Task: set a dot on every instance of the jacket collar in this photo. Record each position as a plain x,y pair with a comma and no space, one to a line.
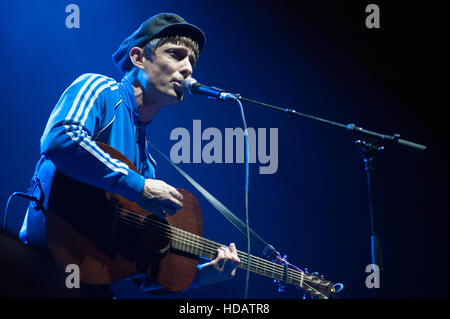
130,99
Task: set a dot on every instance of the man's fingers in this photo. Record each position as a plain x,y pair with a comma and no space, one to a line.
221,257
234,259
223,267
234,253
175,199
158,196
233,249
227,259
174,203
227,253
175,193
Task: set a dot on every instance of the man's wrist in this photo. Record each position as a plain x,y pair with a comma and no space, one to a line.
133,186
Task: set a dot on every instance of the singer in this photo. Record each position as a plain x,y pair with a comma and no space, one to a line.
154,60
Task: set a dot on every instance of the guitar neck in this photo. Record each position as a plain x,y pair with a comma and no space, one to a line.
201,247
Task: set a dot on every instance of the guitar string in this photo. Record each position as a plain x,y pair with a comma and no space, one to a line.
214,245
199,240
133,225
213,252
294,274
207,250
306,287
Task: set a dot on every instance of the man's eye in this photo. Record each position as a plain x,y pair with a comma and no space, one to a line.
174,54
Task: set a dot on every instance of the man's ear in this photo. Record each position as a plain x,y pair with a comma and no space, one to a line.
137,57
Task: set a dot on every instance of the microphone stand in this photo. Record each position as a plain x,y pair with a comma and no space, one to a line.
394,139
369,147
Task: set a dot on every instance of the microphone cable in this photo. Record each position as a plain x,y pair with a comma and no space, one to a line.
246,152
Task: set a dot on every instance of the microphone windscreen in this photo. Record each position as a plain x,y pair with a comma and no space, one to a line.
187,84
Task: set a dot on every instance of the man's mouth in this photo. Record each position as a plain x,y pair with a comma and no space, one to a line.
177,87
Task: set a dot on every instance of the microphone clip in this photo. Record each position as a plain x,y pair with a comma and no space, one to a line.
225,96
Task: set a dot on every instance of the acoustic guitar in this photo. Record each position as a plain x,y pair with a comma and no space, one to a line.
111,238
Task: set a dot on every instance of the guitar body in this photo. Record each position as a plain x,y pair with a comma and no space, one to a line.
102,234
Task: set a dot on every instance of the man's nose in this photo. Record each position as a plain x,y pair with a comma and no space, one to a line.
186,68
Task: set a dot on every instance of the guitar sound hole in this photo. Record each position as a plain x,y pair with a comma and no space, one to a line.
138,239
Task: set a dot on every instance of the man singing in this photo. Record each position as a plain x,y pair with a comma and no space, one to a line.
155,59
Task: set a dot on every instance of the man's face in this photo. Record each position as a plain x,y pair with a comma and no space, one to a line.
171,64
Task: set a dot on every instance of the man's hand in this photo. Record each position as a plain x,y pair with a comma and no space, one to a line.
159,198
222,268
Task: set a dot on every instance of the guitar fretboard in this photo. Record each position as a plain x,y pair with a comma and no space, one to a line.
201,247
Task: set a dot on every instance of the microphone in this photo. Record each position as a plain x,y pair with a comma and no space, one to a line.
191,86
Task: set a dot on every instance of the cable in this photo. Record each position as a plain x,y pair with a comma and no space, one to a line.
20,194
244,124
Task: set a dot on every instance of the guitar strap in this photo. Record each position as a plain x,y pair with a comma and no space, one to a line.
268,250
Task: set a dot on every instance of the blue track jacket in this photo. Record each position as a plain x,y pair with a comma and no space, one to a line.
93,108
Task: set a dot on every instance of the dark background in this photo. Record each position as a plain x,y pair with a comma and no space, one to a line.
317,57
